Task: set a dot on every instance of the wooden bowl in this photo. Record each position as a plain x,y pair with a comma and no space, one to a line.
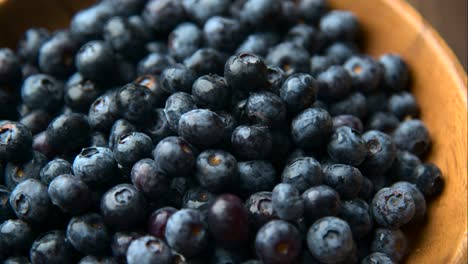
439,84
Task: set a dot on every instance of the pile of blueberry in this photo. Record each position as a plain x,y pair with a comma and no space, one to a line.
208,131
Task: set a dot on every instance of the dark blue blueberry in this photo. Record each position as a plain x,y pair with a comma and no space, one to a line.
216,170
68,132
201,127
211,91
202,10
56,56
15,142
304,36
126,7
31,42
70,194
395,73
276,77
135,103
95,60
255,176
19,172
260,13
311,10
246,71
251,142
37,121
51,247
120,243
120,128
222,33
149,180
392,207
41,143
16,236
346,180
278,242
346,146
81,95
260,208
311,128
103,112
403,166
412,136
176,105
158,128
5,209
123,206
131,148
266,108
157,221
88,234
302,173
177,78
365,73
123,37
391,242
30,201
381,152
377,101
162,16
382,121
153,83
340,25
206,61
403,105
291,62
186,232
17,260
175,157
282,144
155,46
339,52
88,23
227,256
298,92
228,221
367,190
287,202
418,197
197,198
377,257
10,67
355,104
357,214
258,43
147,250
320,201
98,139
334,83
428,179
95,166
319,64
154,63
184,40
97,260
348,120
41,91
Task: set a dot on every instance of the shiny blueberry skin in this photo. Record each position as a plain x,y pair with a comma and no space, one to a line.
149,180
206,61
211,91
162,16
135,103
120,243
176,105
222,33
291,62
79,96
184,40
260,208
147,250
131,148
260,13
16,235
365,73
30,201
68,132
123,206
403,105
15,142
175,156
186,232
158,127
355,104
391,242
19,172
278,242
157,221
36,121
392,207
95,166
428,179
228,221
120,128
153,83
395,73
258,43
70,194
197,198
56,56
330,240
275,77
311,128
357,214
266,108
298,92
302,173
246,71
334,83
377,257
346,180
201,127
216,170
340,25
413,136
154,63
339,52
95,60
255,176
42,144
403,166
348,120
124,38
346,146
287,202
88,234
382,121
5,209
381,152
42,91
52,248
202,10
319,64
87,24
177,78
103,112
320,201
418,197
251,142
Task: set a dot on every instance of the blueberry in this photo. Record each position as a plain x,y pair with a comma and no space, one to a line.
340,25
413,136
51,247
120,243
339,52
357,214
395,74
377,257
68,132
135,103
298,92
346,180
177,78
197,198
302,173
403,105
42,144
15,142
251,142
205,61
334,83
347,146
148,249
120,128
5,209
103,112
258,43
70,194
201,127
228,221
157,221
19,172
202,10
123,206
216,170
403,166
162,16
98,139
311,10
88,234
123,37
211,91
381,152
88,24
17,260
154,46
266,108
377,101
176,105
330,240
276,77
36,121
41,91
311,128
391,242
131,148
392,207
367,190
278,242
418,197
10,67
154,63
56,56
30,201
348,120
80,96
186,232
222,33
365,73
287,202
31,42
95,60
355,104
184,40
260,208
153,83
97,260
158,128
149,180
8,105
260,13
175,156
226,256
320,201
95,166
382,121
319,64
428,179
291,62
255,176
246,71
16,235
